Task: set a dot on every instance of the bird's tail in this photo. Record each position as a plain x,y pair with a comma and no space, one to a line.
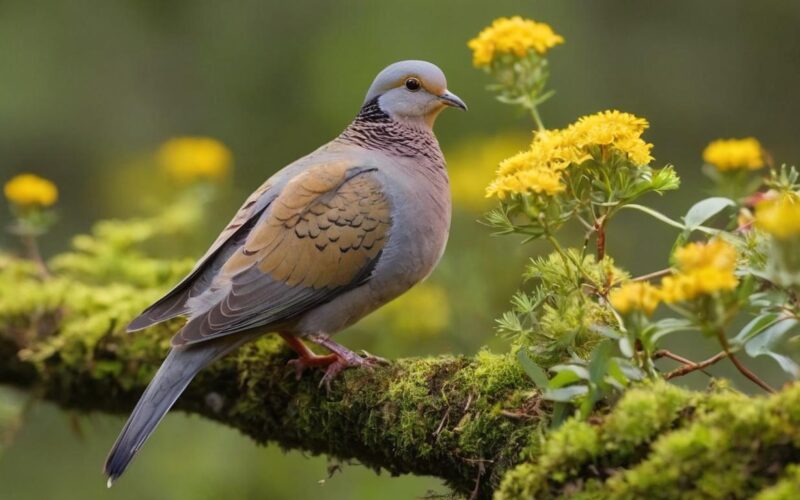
172,378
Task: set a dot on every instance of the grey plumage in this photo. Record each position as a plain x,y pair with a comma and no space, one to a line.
325,241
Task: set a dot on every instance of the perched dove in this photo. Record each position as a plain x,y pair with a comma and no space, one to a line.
322,243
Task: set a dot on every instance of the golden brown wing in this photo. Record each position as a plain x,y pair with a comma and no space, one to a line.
321,236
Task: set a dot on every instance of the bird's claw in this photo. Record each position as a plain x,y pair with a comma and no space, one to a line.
365,360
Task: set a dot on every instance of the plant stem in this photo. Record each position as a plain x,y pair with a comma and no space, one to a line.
600,227
536,117
739,366
689,366
655,274
32,250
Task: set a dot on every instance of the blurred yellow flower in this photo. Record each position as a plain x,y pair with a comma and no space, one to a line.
513,35
422,312
28,190
188,159
471,167
621,131
703,269
779,216
716,253
735,154
635,296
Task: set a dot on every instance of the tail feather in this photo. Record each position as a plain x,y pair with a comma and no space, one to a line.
172,378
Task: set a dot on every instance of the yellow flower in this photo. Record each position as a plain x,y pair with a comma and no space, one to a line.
513,35
423,312
703,269
735,154
28,190
716,253
188,159
537,170
620,131
779,216
635,296
470,167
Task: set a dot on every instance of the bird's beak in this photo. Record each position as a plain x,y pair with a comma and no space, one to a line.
450,99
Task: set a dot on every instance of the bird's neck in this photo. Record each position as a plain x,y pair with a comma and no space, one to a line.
375,129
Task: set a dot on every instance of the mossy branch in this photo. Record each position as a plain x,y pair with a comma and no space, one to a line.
476,422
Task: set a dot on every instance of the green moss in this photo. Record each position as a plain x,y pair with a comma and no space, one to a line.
786,488
660,441
640,415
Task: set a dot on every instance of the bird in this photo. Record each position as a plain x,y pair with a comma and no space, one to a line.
322,243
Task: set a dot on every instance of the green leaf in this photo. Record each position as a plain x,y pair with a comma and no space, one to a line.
667,326
598,366
534,371
566,394
559,414
767,341
605,331
562,379
754,327
580,371
616,374
704,210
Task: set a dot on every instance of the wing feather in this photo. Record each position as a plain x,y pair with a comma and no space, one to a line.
321,236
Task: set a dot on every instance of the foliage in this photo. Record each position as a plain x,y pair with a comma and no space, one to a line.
586,330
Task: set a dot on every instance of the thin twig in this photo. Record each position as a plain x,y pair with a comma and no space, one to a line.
739,366
653,275
693,367
664,353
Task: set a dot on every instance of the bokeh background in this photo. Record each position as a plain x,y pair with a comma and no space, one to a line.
90,89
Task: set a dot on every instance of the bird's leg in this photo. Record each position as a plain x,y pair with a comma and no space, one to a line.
306,357
345,358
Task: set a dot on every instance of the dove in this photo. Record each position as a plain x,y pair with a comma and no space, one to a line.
321,244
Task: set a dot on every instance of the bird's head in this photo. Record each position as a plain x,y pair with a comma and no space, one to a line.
412,91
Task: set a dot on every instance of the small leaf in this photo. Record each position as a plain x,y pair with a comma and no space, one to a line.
765,343
704,210
559,415
598,366
562,379
605,331
754,327
566,394
667,326
580,371
626,347
534,371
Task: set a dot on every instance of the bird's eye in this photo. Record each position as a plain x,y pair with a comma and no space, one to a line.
413,84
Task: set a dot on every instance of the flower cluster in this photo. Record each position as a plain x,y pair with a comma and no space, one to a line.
635,296
620,131
779,216
703,269
189,159
539,170
516,36
734,154
27,191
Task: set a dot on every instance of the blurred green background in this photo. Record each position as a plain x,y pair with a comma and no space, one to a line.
90,89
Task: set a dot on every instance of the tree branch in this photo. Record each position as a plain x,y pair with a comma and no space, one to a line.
475,422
